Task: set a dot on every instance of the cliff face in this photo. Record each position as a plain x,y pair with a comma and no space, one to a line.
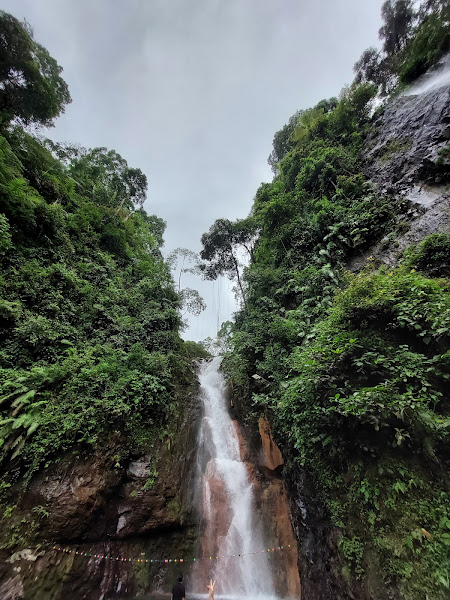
115,503
407,156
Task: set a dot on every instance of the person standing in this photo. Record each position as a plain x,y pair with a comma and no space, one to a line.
211,589
178,590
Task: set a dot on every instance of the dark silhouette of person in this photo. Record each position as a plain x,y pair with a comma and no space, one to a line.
178,591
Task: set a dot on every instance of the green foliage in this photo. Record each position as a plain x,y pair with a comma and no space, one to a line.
397,16
150,482
431,41
432,255
221,247
369,383
362,405
282,142
105,177
31,87
414,39
225,337
195,350
192,302
352,550
372,67
352,370
356,396
41,512
89,317
181,261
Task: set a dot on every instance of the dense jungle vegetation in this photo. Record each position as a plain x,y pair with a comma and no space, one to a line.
89,316
352,369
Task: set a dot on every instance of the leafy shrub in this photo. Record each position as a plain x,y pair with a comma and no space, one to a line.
431,41
88,313
432,255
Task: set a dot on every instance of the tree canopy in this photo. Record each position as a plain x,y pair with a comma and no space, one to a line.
31,87
181,261
224,247
105,176
414,38
398,17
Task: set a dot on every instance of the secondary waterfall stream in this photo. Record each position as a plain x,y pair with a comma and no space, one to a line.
231,524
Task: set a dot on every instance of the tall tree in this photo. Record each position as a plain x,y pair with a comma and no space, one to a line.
368,67
224,337
191,302
428,7
398,18
181,261
31,88
223,247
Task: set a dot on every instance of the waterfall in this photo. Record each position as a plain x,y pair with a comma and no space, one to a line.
438,76
231,523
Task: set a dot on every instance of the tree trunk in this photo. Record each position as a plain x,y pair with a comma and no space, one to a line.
239,280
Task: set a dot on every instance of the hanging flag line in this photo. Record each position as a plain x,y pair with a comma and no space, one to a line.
166,560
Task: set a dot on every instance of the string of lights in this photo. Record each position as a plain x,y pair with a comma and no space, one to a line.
166,560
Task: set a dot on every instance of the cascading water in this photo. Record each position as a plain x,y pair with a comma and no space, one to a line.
231,524
437,77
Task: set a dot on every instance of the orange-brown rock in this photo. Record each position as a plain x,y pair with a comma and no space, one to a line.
271,453
278,525
216,508
262,457
243,446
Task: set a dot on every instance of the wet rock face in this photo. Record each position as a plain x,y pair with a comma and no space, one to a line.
323,576
407,155
318,550
313,533
408,138
270,451
139,505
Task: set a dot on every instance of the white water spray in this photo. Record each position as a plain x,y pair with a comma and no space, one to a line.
232,525
436,78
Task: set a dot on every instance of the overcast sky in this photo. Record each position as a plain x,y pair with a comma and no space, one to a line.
192,92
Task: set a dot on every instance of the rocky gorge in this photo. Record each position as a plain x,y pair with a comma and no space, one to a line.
313,460
100,505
